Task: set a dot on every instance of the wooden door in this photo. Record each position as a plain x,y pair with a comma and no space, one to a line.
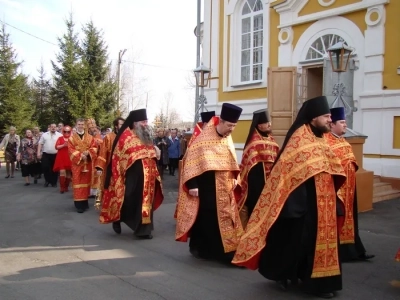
282,108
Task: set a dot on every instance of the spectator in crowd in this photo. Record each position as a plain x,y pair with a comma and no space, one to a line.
173,152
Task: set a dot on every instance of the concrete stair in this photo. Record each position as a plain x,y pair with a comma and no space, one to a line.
383,191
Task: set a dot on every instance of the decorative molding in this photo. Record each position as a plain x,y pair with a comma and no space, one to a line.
326,3
289,37
290,5
371,11
289,11
248,106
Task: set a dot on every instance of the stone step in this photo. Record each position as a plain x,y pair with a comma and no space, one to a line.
382,187
386,195
377,179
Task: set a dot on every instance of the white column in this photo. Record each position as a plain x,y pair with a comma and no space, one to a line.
211,30
374,48
285,50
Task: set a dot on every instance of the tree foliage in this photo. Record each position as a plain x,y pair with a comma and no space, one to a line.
67,76
83,85
43,106
15,103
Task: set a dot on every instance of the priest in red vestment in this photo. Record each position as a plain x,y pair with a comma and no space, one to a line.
351,246
82,151
260,152
205,118
293,231
104,157
207,210
133,185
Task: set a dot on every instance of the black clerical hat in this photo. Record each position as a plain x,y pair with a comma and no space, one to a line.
315,107
259,117
338,114
206,116
138,115
230,112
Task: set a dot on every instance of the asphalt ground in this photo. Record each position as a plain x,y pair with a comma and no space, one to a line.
48,251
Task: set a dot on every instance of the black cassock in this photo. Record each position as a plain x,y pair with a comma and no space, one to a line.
205,236
131,210
255,185
290,244
349,252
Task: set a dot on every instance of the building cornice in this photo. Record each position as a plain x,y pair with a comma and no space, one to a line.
293,7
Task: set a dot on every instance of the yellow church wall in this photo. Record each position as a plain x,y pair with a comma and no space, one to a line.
392,46
313,6
239,135
273,38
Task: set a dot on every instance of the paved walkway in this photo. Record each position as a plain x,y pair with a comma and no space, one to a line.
48,251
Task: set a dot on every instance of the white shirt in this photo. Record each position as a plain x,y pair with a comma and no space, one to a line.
48,141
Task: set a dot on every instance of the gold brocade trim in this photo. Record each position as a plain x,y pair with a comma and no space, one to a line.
326,258
230,226
150,169
259,149
304,156
346,193
77,186
209,151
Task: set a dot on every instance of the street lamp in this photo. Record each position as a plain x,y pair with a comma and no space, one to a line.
120,54
339,55
202,75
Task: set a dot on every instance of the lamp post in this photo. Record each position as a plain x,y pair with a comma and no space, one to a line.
202,75
339,55
120,54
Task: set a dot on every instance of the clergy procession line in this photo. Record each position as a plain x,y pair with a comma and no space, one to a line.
289,212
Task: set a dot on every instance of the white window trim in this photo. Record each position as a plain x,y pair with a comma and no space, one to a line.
234,61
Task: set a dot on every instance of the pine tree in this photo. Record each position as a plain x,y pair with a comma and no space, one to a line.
100,86
68,77
15,104
44,108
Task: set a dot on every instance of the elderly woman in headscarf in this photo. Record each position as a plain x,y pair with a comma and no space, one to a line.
10,144
27,156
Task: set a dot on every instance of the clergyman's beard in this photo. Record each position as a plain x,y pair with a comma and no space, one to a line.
323,129
143,133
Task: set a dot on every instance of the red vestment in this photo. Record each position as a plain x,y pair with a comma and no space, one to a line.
104,157
259,149
81,169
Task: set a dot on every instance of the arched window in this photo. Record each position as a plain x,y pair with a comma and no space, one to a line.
251,63
318,49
